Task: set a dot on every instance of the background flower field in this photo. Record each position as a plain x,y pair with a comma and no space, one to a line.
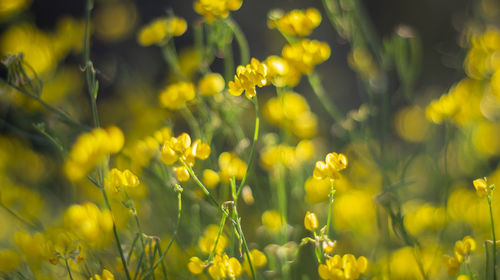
230,139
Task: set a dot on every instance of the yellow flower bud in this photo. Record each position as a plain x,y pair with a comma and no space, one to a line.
310,221
195,265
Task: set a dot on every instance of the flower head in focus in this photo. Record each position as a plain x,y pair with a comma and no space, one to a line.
297,22
247,78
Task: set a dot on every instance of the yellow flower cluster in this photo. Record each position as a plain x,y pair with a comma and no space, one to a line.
160,29
297,22
462,250
345,267
291,111
331,167
211,84
181,149
118,180
215,9
221,267
288,156
43,50
89,223
206,242
139,154
247,78
482,57
105,275
305,54
176,95
92,148
231,166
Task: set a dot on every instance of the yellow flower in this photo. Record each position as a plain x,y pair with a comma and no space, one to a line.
247,78
258,258
161,28
231,166
176,95
106,275
330,167
211,84
305,54
272,220
223,267
180,147
196,266
317,190
92,148
463,248
452,265
9,260
298,22
89,223
10,7
345,267
214,9
181,173
481,187
310,221
291,111
117,179
210,178
207,240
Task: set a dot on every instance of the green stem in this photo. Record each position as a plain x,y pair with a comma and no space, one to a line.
178,189
240,39
254,143
67,267
245,246
221,227
170,55
115,232
494,251
487,265
320,92
282,199
330,206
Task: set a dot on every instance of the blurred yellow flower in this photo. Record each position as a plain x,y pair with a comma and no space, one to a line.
206,242
211,84
231,166
210,178
89,223
176,95
90,149
305,54
106,275
161,28
118,180
345,267
224,267
258,258
297,22
215,9
272,220
9,260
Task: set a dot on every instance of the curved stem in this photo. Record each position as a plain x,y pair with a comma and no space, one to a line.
240,39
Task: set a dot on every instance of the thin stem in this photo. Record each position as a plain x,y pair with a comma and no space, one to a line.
487,266
67,267
240,39
115,232
221,227
174,236
320,92
254,143
171,58
494,251
245,246
330,206
282,202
